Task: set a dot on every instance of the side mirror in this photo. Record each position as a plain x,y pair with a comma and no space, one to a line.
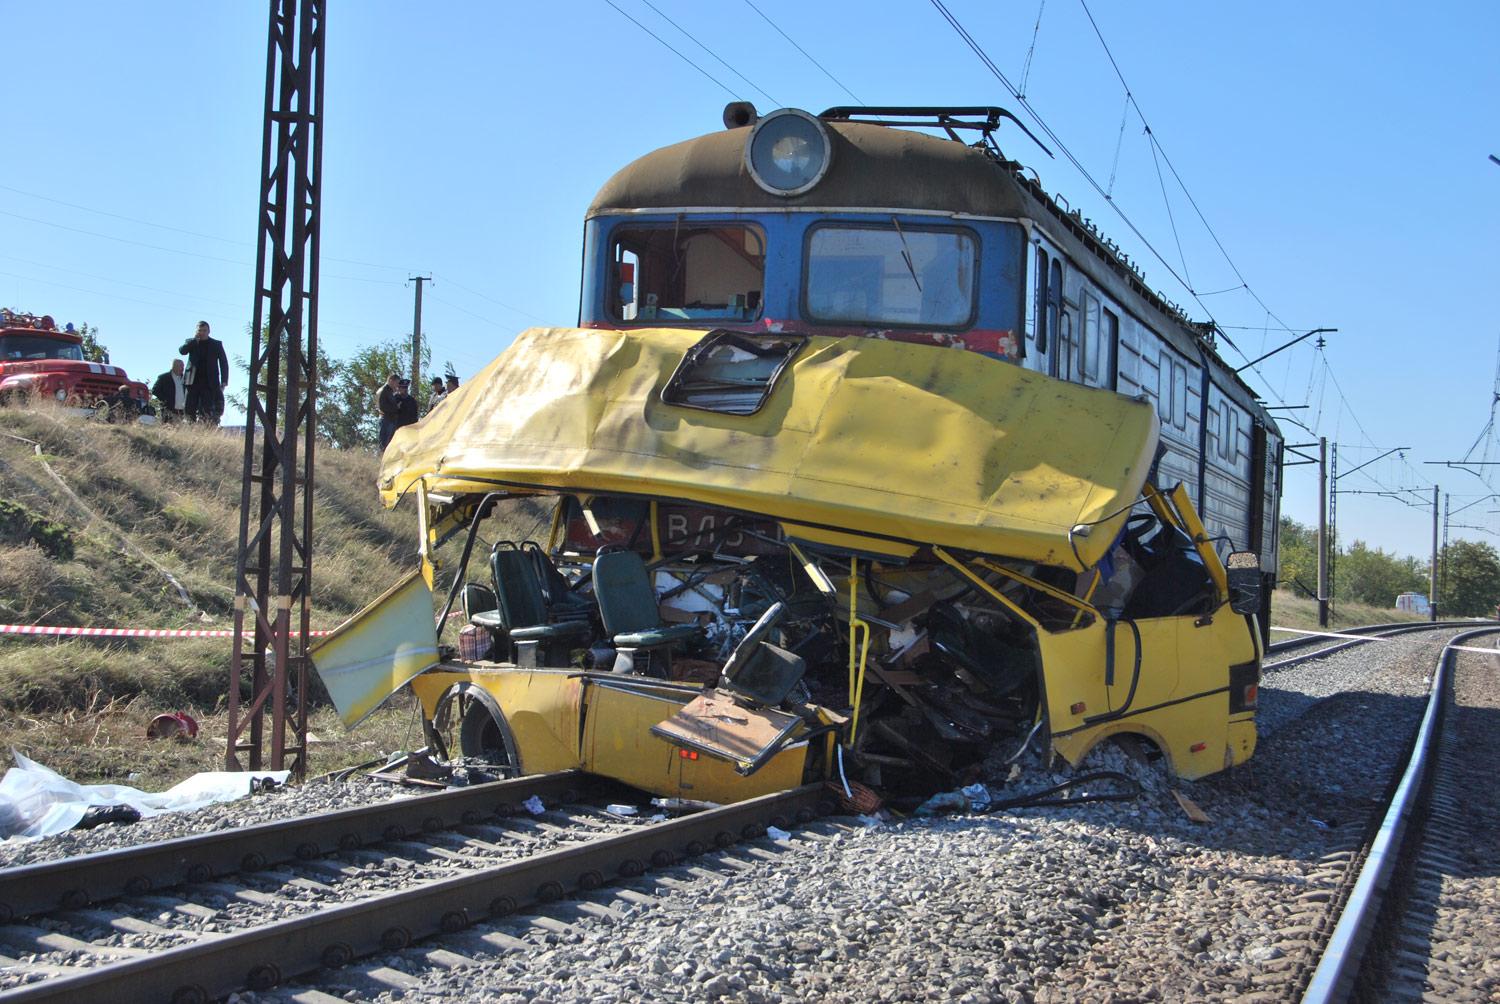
1245,582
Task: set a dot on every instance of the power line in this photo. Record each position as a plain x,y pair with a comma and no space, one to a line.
830,76
731,69
176,230
449,280
1157,147
1036,29
728,90
989,63
125,240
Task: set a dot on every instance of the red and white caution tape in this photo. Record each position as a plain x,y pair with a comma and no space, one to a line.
103,632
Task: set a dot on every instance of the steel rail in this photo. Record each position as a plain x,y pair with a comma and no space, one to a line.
75,883
263,957
1375,631
1344,954
1371,629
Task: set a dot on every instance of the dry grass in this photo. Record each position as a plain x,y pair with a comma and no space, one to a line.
1298,612
103,741
173,492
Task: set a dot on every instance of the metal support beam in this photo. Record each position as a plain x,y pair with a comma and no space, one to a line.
1322,532
1432,572
273,566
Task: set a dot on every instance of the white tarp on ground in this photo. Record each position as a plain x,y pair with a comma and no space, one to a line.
38,802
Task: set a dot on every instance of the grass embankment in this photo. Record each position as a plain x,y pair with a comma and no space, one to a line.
154,504
1292,611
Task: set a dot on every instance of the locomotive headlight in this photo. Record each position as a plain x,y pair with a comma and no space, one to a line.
788,152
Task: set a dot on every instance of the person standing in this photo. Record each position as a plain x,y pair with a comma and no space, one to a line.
435,394
452,384
406,405
388,406
207,375
171,391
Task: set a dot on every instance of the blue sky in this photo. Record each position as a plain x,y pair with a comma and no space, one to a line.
1337,150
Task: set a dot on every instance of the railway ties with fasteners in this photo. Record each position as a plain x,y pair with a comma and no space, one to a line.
214,965
1379,950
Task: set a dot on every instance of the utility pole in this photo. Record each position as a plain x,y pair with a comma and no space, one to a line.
416,336
1322,531
1443,577
1432,572
1333,530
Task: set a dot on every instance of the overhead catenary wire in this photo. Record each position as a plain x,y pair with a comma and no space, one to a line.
675,51
766,18
722,62
1160,157
1036,30
1025,102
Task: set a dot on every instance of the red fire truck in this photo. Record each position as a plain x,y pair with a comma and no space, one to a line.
38,360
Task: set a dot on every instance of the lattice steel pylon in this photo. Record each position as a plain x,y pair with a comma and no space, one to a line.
273,567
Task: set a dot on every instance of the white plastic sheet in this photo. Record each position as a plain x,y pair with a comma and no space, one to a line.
38,802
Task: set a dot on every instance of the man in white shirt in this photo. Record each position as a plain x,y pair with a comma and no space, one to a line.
170,390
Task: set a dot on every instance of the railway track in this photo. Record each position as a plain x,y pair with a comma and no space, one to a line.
1322,645
1386,944
267,906
194,919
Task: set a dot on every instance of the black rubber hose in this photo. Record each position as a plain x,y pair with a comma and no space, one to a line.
1040,799
1135,677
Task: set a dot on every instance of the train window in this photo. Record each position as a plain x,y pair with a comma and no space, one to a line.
891,275
1164,391
683,272
1111,334
1088,348
730,372
1179,395
1041,300
1054,297
1229,443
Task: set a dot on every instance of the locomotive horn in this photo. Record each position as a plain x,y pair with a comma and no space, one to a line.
738,114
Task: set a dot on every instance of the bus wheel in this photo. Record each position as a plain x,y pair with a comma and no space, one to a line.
481,736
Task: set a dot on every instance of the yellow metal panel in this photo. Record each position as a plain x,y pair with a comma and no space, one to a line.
1180,660
372,654
619,744
873,437
602,724
542,709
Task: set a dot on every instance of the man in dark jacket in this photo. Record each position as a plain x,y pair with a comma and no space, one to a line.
171,390
406,405
388,403
207,376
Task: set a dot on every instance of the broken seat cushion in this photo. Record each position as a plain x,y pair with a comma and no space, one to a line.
715,725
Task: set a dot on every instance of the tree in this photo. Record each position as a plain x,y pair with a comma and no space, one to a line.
346,414
328,374
1299,557
1375,577
1470,584
93,350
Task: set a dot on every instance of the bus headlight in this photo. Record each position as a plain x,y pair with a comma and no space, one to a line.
788,152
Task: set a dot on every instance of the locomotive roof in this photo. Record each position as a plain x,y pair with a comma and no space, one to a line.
710,171
876,167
